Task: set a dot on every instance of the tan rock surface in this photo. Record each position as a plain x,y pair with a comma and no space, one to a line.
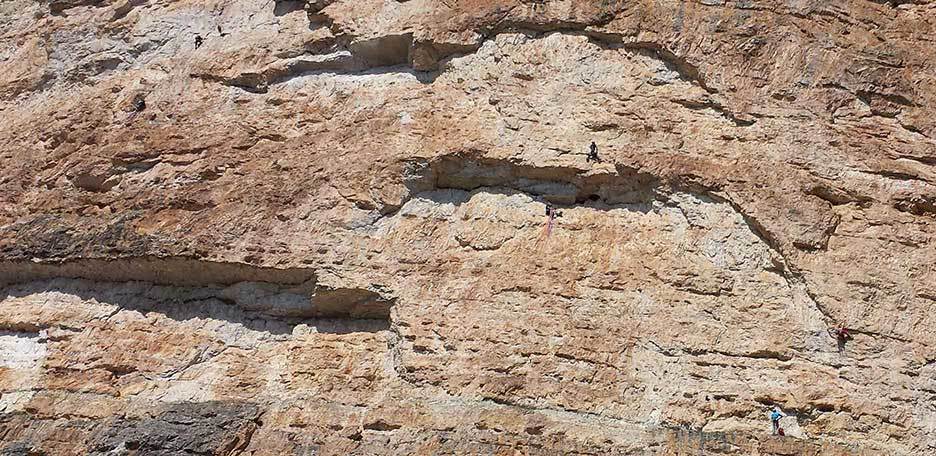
324,232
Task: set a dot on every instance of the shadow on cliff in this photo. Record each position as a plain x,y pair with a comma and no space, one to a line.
452,179
457,197
268,310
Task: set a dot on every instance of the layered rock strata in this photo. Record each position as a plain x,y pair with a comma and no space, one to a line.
323,231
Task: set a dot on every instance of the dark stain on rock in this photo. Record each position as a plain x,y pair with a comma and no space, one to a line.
182,429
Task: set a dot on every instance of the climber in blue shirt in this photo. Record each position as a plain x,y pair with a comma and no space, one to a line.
775,416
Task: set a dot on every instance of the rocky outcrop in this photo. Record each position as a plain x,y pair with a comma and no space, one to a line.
206,428
323,231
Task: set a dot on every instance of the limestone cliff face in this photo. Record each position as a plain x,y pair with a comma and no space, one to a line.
323,231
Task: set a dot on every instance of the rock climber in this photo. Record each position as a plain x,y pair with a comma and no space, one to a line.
198,40
552,212
535,4
775,416
138,104
593,153
220,33
842,334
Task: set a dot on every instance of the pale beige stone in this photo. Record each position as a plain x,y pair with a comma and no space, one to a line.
326,231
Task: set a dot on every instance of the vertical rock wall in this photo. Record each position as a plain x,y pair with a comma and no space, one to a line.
324,230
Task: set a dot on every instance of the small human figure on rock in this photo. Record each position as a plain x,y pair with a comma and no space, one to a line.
551,215
198,41
775,417
593,153
841,336
552,212
138,105
536,5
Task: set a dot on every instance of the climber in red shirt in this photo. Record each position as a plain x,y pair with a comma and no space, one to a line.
841,333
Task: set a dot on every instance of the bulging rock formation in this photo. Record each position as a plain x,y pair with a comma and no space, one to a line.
324,229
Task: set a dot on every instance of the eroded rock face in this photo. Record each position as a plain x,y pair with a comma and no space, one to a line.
324,231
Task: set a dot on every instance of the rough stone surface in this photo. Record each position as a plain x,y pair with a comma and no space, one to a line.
324,232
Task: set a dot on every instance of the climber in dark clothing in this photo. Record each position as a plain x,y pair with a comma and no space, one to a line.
139,104
551,212
551,215
593,153
198,40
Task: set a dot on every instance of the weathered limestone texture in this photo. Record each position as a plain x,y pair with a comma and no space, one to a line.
324,230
